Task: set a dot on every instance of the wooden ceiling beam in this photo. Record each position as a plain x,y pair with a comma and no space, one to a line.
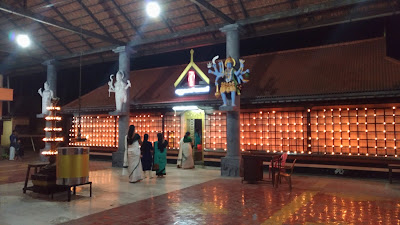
127,19
55,23
271,16
201,15
167,23
313,8
35,42
66,21
87,10
211,8
203,18
246,15
216,28
24,5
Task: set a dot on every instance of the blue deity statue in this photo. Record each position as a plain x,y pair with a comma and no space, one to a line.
232,78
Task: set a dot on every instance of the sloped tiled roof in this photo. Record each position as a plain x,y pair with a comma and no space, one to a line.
352,67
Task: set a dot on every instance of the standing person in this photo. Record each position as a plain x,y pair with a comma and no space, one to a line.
134,163
179,160
197,139
125,164
18,150
147,155
160,155
13,144
187,153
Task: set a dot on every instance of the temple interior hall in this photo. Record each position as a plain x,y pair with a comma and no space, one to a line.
199,112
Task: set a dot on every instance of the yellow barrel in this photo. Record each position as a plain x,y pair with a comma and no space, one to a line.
72,165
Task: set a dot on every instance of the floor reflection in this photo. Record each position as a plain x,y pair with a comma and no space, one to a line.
313,200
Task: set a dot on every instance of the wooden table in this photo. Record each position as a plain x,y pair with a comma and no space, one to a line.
68,187
35,165
391,167
252,164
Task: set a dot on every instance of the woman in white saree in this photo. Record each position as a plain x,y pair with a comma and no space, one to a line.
187,153
134,163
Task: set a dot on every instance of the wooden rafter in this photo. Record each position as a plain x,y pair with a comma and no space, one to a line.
66,21
87,10
24,5
211,8
127,19
36,42
52,22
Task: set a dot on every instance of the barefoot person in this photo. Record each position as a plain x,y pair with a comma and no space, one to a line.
147,156
134,163
187,152
160,155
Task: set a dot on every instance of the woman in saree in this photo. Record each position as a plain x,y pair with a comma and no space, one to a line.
187,153
134,163
147,155
160,155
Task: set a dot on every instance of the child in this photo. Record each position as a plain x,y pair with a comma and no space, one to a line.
18,150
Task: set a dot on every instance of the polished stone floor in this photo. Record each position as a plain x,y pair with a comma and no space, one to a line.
200,196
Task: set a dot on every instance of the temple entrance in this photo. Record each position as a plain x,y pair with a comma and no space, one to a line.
194,124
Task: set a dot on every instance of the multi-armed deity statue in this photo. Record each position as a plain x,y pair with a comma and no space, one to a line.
47,95
232,78
119,87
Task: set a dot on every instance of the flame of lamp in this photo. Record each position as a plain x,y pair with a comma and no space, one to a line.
56,118
56,129
53,108
50,152
56,139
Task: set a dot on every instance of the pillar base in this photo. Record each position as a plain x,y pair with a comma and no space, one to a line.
118,159
230,166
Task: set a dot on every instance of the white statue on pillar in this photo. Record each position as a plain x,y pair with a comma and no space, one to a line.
119,88
47,95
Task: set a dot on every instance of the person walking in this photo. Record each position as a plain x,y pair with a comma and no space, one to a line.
160,155
147,155
187,152
134,163
18,150
197,139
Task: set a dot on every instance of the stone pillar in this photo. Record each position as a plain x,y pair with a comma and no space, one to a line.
232,41
230,164
123,121
52,80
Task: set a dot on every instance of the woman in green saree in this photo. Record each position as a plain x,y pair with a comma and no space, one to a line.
160,155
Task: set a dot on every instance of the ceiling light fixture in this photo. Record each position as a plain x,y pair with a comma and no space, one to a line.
23,40
153,9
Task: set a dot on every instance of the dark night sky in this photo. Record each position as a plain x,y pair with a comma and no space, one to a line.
27,100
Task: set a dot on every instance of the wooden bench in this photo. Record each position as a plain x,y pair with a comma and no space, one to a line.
391,167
